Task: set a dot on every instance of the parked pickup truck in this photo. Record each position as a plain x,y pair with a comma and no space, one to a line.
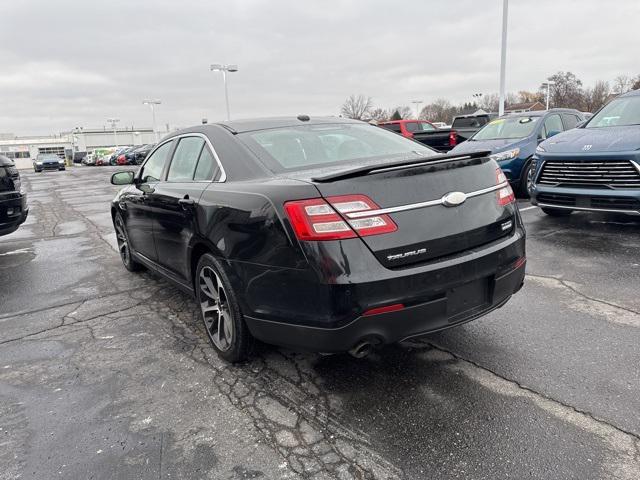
441,139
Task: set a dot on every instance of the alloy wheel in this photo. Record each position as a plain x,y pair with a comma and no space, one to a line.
123,243
215,309
529,182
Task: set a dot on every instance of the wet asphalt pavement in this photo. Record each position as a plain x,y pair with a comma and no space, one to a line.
105,374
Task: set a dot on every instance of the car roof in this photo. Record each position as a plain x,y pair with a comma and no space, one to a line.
404,120
251,124
540,113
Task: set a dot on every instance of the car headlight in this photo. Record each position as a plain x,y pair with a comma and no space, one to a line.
61,161
507,155
38,162
540,148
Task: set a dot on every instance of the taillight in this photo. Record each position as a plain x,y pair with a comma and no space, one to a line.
505,194
453,138
326,219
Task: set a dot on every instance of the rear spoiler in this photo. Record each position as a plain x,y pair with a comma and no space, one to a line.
418,162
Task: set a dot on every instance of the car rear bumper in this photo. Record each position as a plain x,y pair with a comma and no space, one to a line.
588,199
13,213
446,311
293,312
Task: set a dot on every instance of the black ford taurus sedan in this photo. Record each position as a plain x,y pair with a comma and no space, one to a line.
322,234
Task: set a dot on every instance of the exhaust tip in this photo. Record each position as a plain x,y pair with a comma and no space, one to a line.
361,350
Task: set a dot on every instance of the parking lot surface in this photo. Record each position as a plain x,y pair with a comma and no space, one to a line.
105,374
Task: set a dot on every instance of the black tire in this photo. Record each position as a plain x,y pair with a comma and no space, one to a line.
211,282
124,246
525,184
557,212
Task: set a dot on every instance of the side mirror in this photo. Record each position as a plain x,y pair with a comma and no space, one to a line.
552,133
122,178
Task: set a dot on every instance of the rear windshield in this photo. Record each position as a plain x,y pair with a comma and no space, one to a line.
470,122
510,128
313,146
620,112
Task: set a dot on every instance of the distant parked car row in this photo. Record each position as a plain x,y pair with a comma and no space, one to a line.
126,155
441,139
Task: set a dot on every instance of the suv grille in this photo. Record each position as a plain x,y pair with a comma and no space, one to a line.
590,173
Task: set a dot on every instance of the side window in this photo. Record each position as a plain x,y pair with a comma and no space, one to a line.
412,126
185,159
426,127
152,168
570,121
207,168
553,123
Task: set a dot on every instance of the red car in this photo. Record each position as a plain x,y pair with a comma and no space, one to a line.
408,127
122,159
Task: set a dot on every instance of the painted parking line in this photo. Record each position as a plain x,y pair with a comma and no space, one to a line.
528,208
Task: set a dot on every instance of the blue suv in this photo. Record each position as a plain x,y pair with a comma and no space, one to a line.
512,140
595,167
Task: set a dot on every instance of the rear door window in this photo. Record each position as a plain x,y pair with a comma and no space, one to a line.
152,169
472,122
553,123
207,168
412,126
185,159
570,120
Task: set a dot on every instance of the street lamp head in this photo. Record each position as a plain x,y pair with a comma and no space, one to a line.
152,102
218,67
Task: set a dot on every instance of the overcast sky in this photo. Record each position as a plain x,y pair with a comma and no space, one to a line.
67,63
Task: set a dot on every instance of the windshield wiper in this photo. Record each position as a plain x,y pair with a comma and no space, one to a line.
365,170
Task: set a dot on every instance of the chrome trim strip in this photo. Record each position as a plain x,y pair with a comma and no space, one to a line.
223,173
635,164
609,210
429,203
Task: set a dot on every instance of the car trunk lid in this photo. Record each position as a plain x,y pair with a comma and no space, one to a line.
428,226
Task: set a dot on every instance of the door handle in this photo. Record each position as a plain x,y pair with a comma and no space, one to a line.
186,203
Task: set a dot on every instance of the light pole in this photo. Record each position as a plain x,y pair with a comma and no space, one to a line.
219,67
476,99
417,104
503,55
114,122
548,84
152,104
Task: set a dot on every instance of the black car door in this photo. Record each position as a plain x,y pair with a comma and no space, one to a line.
175,203
137,205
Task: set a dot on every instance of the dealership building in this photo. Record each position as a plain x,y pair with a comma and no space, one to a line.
74,144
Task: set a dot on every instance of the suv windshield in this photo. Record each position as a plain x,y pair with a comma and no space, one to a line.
312,146
510,127
620,112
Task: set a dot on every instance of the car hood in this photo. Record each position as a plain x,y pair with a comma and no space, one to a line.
605,139
487,145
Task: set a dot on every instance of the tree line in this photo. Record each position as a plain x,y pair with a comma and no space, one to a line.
566,90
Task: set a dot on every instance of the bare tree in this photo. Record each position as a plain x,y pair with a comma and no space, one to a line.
596,96
357,107
621,84
403,112
567,90
525,96
379,114
440,110
636,83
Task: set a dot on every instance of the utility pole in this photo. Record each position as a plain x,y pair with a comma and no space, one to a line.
152,104
417,104
503,56
114,122
218,67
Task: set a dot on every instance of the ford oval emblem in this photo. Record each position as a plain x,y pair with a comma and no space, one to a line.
453,199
